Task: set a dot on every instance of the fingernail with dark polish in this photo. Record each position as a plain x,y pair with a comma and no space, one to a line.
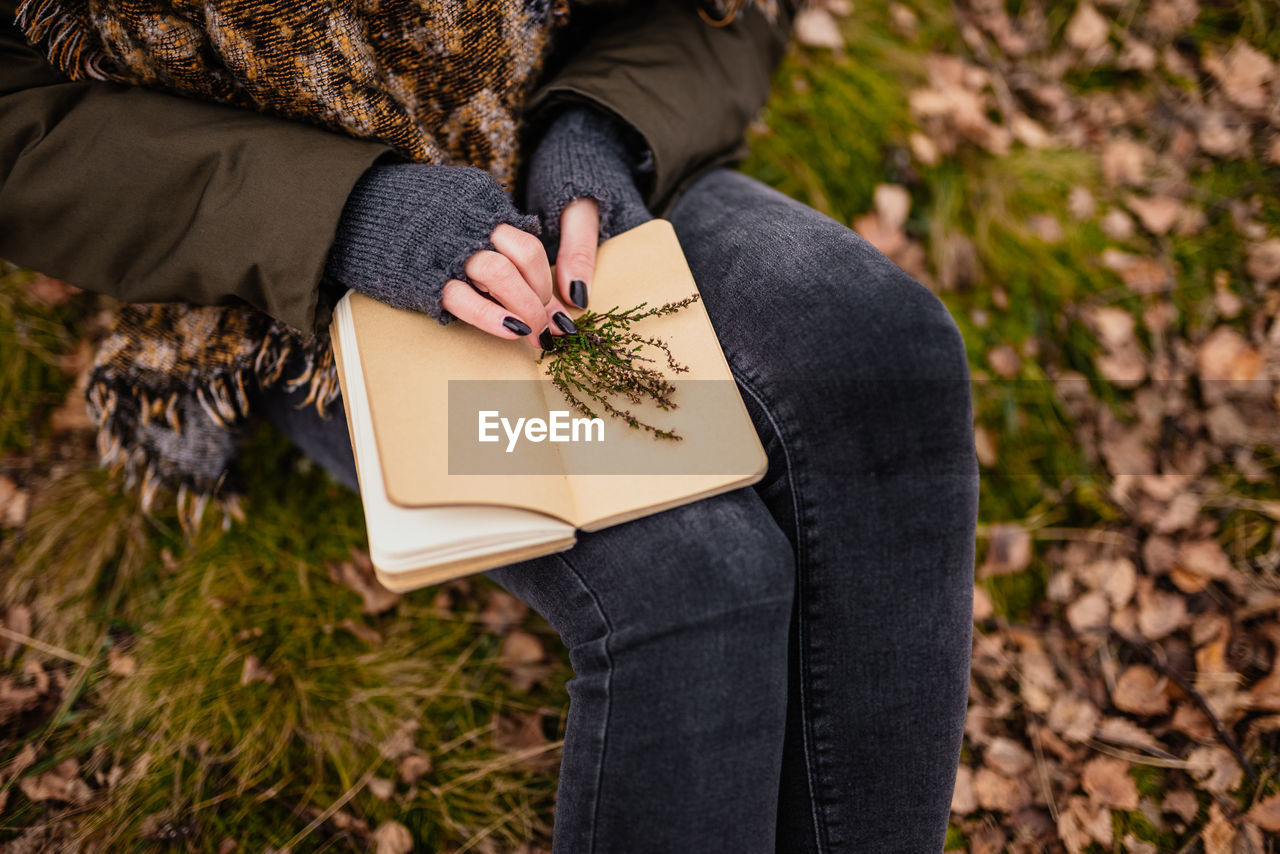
516,325
546,340
578,293
564,323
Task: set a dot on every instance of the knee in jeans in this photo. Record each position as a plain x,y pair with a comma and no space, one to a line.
790,274
878,320
709,560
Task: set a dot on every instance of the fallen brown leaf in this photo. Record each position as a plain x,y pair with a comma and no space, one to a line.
892,204
1133,845
1081,204
1157,214
392,837
60,783
987,839
413,766
520,647
1008,550
1088,29
1004,360
1266,813
1263,261
399,742
502,611
1122,731
519,731
16,699
982,605
1137,55
1125,162
994,791
357,574
1107,782
1171,18
879,234
1182,803
13,504
1226,355
1191,721
1117,225
1223,135
1007,757
1265,693
815,26
1089,613
1219,835
1214,768
1180,513
254,671
1082,823
1141,691
1159,613
1244,73
1073,717
963,800
120,664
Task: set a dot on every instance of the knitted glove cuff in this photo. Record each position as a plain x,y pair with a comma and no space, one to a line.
408,228
584,153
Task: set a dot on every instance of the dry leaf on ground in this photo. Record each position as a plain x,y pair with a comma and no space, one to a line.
392,837
1107,781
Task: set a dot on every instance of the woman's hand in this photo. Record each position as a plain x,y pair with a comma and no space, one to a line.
510,285
582,185
447,241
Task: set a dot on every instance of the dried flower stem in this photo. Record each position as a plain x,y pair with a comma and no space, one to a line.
601,361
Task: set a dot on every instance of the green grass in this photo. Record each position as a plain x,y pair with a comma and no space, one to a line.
229,760
32,338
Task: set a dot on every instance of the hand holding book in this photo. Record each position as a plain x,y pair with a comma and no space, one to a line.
448,241
441,501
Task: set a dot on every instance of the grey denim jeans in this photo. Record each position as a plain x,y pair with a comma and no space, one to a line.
782,668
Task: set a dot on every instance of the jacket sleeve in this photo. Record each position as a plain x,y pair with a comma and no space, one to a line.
151,197
688,88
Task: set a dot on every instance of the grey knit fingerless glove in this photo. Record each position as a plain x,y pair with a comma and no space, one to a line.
408,228
586,153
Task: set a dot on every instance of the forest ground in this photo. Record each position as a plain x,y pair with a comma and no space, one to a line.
1091,189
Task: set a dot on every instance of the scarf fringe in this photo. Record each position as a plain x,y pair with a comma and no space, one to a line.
64,29
120,407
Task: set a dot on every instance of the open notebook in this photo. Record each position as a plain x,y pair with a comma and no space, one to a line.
444,498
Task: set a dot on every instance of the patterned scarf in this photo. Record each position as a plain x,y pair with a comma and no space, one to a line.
442,81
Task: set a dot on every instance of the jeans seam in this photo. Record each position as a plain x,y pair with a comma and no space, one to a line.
608,696
819,827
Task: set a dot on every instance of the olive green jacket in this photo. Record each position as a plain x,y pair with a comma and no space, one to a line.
152,197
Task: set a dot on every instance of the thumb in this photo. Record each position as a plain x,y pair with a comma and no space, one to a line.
576,259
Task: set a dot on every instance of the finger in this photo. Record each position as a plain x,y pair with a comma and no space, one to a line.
464,303
496,274
558,323
576,260
525,251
